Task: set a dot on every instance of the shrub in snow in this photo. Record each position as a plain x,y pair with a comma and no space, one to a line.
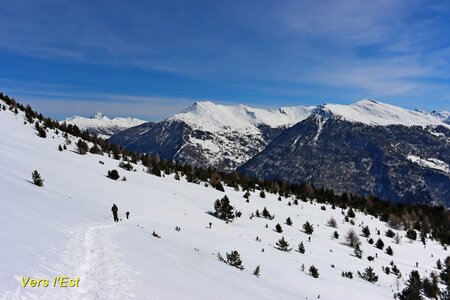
262,194
283,245
308,228
413,287
113,174
301,248
126,165
40,130
379,244
411,234
223,209
156,235
82,147
233,259
352,238
369,275
256,272
95,149
266,214
350,213
336,235
389,233
278,228
389,251
366,231
347,274
37,180
332,222
357,252
314,272
289,221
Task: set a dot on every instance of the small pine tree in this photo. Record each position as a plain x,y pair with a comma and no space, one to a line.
234,260
368,275
301,248
283,245
256,272
82,147
366,231
262,194
247,195
113,174
37,180
413,287
266,214
308,228
314,272
352,238
347,274
389,233
411,234
350,213
40,130
389,251
336,235
357,252
60,148
439,264
379,244
278,228
332,222
223,209
289,221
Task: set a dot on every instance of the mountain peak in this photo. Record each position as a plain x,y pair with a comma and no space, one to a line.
99,116
375,113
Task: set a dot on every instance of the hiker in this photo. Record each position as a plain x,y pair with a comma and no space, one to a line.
114,210
127,214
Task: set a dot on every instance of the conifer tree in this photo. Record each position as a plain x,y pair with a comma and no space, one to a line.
283,245
366,231
301,248
289,221
379,244
223,209
37,180
313,271
308,228
413,287
357,251
352,238
278,228
389,251
368,275
82,147
256,272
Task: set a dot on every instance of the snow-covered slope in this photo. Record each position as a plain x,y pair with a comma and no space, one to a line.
102,125
65,228
372,112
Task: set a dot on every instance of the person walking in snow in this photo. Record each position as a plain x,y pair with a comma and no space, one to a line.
114,210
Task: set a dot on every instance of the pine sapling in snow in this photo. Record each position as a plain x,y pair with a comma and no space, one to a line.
37,180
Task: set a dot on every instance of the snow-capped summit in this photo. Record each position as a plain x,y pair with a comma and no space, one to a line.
103,126
371,112
213,117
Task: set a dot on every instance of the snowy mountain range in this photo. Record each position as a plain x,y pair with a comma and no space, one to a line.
103,126
351,146
208,134
367,148
65,228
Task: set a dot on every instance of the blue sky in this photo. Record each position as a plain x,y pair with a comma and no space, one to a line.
149,59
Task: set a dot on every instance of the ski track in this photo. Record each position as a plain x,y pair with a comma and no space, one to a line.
91,255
